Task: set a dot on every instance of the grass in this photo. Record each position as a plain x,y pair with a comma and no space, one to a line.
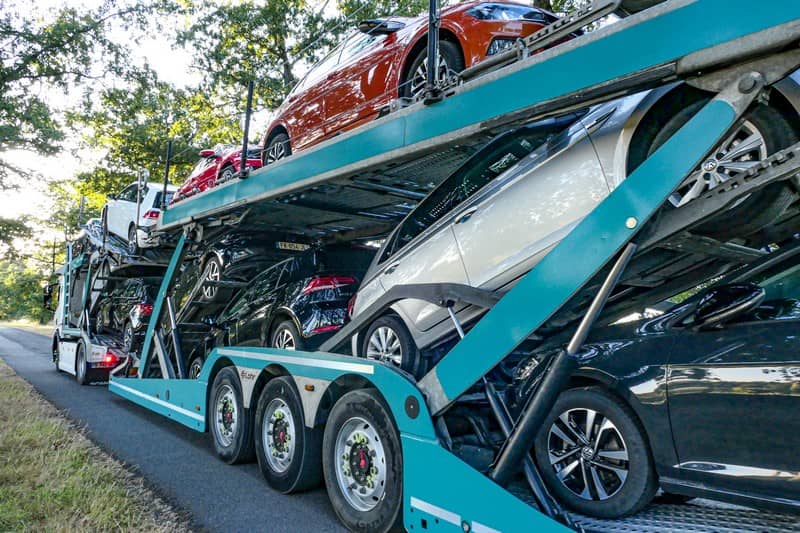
52,478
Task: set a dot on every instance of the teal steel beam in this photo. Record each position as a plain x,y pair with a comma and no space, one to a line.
593,242
663,35
158,305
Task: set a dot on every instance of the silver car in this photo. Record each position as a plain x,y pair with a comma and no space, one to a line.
494,218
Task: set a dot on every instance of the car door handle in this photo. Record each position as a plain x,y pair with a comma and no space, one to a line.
465,215
391,268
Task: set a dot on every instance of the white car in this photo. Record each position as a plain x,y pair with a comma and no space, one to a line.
119,214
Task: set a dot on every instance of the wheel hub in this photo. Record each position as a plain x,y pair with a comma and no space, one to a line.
226,415
587,453
278,435
710,165
361,467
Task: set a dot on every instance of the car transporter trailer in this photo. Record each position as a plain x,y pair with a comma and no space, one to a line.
344,188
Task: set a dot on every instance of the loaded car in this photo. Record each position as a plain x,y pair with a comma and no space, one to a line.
217,165
126,309
699,401
386,59
120,212
296,304
495,217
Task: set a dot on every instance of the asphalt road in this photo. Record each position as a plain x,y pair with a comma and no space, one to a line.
178,463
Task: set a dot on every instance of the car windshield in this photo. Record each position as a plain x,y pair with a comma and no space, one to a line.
494,159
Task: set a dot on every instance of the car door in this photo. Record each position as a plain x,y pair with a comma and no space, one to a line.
260,298
359,86
125,302
533,201
122,211
734,395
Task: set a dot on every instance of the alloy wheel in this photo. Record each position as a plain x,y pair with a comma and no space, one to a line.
360,463
588,454
276,151
420,77
132,244
285,340
195,367
227,415
279,435
744,149
384,345
212,274
127,338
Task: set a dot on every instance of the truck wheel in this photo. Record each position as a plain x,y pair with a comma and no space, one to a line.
56,354
363,463
231,424
81,370
289,453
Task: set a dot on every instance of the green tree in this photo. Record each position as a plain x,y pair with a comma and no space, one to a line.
21,293
11,231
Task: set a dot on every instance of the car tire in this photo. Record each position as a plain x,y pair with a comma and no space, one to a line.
389,340
289,453
612,474
128,341
98,328
760,208
226,174
82,372
104,224
286,337
133,241
278,148
360,427
412,85
212,271
231,424
195,367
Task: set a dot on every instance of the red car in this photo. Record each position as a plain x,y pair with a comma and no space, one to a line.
216,165
385,60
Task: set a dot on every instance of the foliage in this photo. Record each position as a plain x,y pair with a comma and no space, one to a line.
12,230
560,6
21,293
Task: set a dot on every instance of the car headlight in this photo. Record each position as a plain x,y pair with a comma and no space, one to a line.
498,45
492,11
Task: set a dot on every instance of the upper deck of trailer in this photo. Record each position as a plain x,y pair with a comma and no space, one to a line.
366,179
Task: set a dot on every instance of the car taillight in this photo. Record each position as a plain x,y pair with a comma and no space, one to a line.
151,214
351,306
109,358
144,309
326,329
327,282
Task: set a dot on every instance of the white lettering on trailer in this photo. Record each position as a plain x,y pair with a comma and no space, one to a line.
97,353
302,361
477,527
181,410
438,512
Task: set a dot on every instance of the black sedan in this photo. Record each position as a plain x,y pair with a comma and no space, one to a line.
296,304
126,309
700,401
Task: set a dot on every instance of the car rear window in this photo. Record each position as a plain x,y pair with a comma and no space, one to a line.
157,201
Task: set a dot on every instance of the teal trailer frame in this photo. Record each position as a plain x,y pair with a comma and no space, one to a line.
461,497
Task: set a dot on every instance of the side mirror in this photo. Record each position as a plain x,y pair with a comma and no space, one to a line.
111,197
721,304
208,152
47,297
380,26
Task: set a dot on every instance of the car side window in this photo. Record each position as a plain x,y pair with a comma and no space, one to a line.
131,290
319,71
128,194
480,170
357,43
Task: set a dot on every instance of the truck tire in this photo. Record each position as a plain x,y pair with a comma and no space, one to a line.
56,353
361,430
231,424
82,372
289,453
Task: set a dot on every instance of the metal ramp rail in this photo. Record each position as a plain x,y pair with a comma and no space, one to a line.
463,498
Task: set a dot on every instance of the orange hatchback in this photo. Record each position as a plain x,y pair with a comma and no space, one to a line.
386,59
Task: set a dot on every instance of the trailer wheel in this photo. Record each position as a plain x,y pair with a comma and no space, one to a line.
81,370
231,424
363,463
289,453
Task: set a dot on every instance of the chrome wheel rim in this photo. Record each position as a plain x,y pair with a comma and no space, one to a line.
276,151
81,365
384,345
195,368
278,435
285,340
360,464
212,274
588,454
226,419
226,175
132,242
420,78
739,152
